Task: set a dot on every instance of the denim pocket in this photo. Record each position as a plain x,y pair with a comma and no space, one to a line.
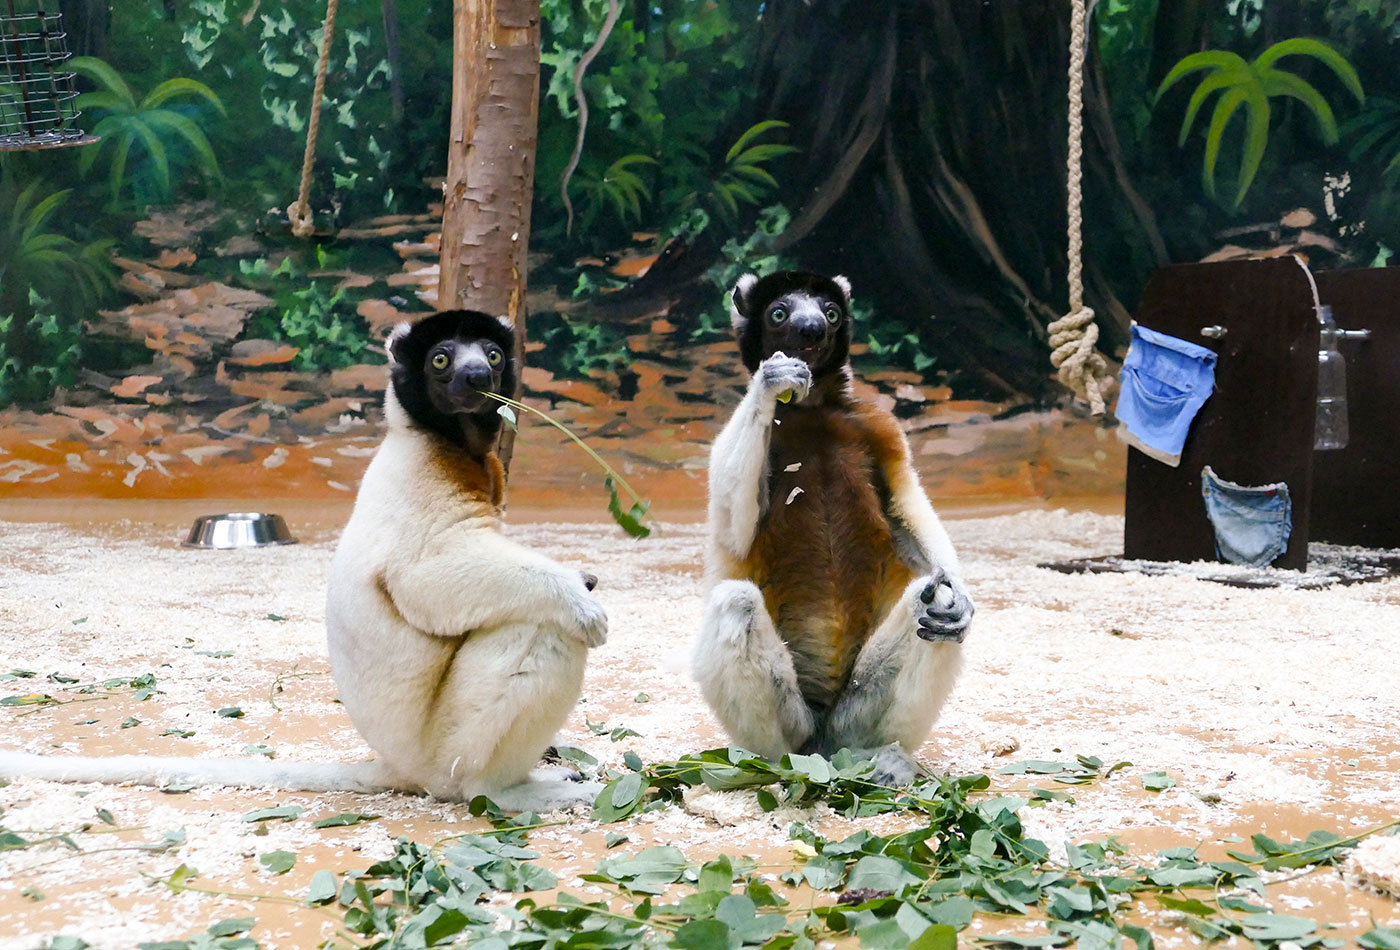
1165,381
1252,524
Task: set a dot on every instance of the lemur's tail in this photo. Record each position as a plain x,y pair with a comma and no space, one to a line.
161,771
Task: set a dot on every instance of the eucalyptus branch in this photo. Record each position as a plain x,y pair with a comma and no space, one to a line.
631,520
52,704
246,896
496,831
83,854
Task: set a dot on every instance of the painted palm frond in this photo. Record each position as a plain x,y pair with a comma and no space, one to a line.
1251,85
145,130
1376,133
743,180
618,186
35,257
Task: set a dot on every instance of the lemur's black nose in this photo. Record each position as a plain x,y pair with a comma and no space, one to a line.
810,331
476,374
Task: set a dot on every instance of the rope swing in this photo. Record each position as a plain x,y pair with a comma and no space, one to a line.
1073,337
299,212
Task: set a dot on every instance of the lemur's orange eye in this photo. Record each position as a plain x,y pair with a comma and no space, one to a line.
777,315
440,361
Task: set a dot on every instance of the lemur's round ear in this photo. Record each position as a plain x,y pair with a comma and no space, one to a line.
740,308
506,322
840,281
393,340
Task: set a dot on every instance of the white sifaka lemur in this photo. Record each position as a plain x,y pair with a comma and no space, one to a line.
457,652
835,606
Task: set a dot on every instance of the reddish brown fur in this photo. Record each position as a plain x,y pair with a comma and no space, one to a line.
826,563
482,481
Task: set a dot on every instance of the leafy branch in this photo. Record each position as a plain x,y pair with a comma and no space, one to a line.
631,519
917,888
967,858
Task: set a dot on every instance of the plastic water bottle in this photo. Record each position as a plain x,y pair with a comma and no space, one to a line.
1332,431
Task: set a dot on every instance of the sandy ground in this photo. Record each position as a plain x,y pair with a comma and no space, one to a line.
1279,707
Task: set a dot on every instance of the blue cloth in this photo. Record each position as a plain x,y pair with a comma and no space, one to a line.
1165,381
1252,525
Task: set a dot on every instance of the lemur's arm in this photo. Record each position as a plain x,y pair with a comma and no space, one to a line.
739,457
468,577
920,538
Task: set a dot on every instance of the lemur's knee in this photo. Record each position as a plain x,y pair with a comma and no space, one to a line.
730,610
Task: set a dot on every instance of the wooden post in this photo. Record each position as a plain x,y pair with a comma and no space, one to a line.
491,163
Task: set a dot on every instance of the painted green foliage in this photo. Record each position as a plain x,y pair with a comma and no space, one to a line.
1252,84
35,258
663,94
1377,135
147,134
47,281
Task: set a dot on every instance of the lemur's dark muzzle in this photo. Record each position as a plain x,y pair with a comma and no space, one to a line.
808,331
475,374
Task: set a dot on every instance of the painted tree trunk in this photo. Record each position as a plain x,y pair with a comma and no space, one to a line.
390,14
940,137
88,23
491,162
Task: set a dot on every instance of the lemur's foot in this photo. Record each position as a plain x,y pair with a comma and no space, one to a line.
947,610
894,767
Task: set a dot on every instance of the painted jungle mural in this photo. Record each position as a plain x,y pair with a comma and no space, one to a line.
158,314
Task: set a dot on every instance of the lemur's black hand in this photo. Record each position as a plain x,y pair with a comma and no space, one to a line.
947,610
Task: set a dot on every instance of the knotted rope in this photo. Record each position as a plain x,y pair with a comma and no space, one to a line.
299,212
1073,337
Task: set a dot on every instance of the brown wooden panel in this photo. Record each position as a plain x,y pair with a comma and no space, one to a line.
1356,490
1256,428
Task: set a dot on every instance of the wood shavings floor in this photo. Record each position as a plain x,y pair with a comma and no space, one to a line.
1274,710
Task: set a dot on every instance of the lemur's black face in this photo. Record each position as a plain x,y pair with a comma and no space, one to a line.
800,314
459,371
442,366
801,324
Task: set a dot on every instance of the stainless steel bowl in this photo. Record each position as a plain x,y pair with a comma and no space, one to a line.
242,529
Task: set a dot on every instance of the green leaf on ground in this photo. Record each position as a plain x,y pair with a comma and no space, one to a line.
278,862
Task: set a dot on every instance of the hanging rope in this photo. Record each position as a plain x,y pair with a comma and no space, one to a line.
299,212
1073,337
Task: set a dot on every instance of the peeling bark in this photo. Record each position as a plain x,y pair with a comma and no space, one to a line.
491,163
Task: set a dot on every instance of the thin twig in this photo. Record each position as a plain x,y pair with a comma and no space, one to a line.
608,469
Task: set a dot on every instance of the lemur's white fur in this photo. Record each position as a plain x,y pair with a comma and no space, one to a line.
741,289
457,652
746,671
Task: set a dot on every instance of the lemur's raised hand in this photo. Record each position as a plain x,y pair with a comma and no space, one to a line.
836,607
